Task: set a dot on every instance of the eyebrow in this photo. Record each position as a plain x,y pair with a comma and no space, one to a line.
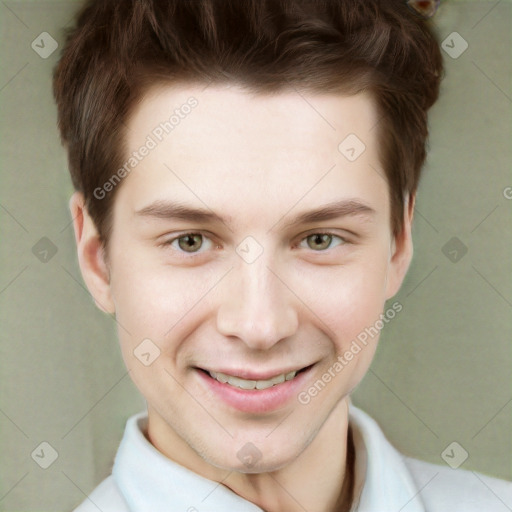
174,210
344,208
161,209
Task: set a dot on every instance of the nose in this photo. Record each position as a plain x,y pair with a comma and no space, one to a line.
256,305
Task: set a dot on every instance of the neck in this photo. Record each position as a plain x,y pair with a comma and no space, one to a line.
317,480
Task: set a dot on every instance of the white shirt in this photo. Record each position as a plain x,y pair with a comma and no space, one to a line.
145,480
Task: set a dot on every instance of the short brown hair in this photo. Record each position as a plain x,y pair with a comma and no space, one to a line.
119,48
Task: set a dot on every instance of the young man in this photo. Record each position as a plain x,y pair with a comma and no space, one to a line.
245,174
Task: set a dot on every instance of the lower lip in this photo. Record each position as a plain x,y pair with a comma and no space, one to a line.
256,401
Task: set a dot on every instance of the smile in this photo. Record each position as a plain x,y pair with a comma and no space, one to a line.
257,392
252,384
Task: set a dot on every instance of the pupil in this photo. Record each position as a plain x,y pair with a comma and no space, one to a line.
322,240
189,241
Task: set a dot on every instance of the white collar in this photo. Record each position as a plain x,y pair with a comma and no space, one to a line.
151,482
387,483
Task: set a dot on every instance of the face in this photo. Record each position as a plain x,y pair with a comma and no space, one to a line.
249,250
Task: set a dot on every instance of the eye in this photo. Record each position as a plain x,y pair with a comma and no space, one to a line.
189,243
192,243
321,241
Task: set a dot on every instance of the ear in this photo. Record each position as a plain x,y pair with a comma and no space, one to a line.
401,251
91,256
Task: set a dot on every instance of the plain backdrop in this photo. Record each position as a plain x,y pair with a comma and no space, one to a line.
442,370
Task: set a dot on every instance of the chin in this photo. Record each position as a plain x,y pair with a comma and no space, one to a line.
259,456
263,465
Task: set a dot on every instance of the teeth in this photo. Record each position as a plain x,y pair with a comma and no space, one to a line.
241,383
252,384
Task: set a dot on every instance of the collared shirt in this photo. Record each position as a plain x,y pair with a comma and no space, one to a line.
145,480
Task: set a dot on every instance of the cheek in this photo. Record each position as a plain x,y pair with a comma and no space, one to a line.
153,300
349,308
155,303
349,299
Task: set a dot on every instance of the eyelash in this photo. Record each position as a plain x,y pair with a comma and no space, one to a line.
169,242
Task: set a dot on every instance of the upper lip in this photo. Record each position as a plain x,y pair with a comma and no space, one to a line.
247,374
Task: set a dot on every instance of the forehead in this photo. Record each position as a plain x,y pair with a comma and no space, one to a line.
222,144
234,117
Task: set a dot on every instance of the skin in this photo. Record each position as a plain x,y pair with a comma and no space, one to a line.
257,161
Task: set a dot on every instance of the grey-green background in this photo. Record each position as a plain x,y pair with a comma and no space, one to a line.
442,370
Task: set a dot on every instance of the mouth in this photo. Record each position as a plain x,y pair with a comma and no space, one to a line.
254,392
254,384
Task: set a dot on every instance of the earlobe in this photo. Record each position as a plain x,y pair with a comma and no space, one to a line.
401,252
91,257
